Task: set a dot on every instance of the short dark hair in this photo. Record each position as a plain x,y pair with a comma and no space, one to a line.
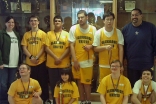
34,16
57,17
82,11
8,18
107,14
137,9
116,61
150,70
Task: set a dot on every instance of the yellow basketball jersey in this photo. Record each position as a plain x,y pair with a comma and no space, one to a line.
105,57
83,39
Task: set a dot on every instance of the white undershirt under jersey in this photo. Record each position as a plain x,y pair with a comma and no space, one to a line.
14,51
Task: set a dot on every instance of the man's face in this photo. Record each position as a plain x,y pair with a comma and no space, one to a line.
146,76
136,17
108,21
82,19
34,22
115,67
23,70
58,23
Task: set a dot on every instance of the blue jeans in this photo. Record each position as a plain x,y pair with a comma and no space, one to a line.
7,76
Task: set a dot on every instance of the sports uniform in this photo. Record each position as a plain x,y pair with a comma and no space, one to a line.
57,48
69,90
58,43
34,41
138,87
82,37
17,90
114,95
102,38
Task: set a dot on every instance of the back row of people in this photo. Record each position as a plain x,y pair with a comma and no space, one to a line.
108,41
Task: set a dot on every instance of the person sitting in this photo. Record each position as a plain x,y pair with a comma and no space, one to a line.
144,90
25,90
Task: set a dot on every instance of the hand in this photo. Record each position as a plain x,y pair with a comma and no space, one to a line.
76,65
1,66
108,47
155,61
34,60
57,61
36,94
122,69
87,47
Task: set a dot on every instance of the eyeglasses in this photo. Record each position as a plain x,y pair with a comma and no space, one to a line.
115,66
109,20
22,68
57,20
33,20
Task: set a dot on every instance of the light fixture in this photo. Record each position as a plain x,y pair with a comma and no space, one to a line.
106,1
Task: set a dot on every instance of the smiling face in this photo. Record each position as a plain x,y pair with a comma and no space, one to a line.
115,67
65,77
146,76
136,17
23,70
10,24
34,22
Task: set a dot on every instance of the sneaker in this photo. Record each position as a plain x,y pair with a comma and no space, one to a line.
83,102
48,102
88,102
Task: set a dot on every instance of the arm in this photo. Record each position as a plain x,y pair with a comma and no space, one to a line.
76,63
27,53
102,48
102,98
50,52
37,94
120,53
65,53
135,99
56,100
125,100
71,100
40,52
11,100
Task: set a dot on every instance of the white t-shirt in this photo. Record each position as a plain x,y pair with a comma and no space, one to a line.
71,38
108,34
72,32
138,84
14,51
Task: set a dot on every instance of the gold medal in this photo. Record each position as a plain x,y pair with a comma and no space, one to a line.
33,43
115,92
58,42
26,96
144,99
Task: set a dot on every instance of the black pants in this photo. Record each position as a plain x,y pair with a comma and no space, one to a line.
134,75
54,77
40,73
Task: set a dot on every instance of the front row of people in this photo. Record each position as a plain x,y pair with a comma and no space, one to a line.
114,88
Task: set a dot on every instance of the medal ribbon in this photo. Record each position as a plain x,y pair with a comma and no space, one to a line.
57,38
145,92
34,40
115,88
25,92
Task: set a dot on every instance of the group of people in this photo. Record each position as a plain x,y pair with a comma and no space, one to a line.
48,61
